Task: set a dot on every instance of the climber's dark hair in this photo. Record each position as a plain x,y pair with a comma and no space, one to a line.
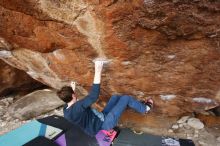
65,93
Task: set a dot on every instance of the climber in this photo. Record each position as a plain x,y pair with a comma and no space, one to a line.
89,119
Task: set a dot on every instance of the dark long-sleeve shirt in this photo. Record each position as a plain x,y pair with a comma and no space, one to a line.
81,114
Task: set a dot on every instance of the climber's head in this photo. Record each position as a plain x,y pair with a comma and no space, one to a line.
67,94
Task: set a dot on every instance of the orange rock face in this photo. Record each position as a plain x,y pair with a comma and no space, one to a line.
161,49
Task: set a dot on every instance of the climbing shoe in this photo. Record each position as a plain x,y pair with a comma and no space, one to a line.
149,104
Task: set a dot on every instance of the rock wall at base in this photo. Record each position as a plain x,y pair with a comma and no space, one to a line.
167,50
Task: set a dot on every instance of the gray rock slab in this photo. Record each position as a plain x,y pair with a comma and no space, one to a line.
35,104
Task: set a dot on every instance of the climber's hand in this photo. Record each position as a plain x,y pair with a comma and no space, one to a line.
73,85
98,66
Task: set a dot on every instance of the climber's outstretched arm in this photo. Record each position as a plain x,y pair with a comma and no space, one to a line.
95,90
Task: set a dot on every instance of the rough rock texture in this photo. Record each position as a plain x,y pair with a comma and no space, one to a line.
216,110
195,123
35,104
13,80
168,50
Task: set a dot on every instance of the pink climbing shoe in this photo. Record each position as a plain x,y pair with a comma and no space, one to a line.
149,104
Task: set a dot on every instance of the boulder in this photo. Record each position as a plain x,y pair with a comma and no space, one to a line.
35,104
195,123
162,49
170,131
175,126
183,120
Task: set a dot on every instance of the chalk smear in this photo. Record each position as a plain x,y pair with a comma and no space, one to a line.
202,100
167,97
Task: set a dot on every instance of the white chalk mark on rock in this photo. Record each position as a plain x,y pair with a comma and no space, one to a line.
58,54
202,100
171,56
126,63
105,60
167,97
5,54
148,1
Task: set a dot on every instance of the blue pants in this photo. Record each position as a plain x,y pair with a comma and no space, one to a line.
115,107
